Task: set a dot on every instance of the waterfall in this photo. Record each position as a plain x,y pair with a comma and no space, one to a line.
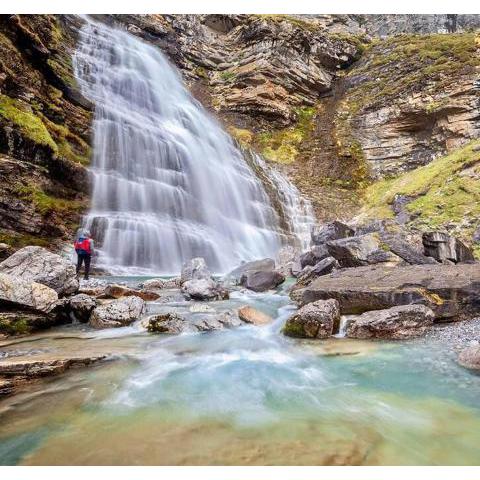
168,183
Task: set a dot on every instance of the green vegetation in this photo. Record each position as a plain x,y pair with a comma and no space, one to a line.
227,76
14,326
444,192
28,123
242,135
20,240
282,145
292,329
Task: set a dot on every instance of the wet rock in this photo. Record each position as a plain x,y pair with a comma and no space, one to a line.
81,307
251,315
169,323
313,256
451,291
37,264
261,280
19,293
309,274
118,313
195,269
286,258
201,308
443,247
19,323
361,250
160,284
204,289
119,291
330,231
470,357
218,321
318,319
266,264
396,323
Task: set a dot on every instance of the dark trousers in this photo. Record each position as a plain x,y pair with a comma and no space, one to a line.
81,259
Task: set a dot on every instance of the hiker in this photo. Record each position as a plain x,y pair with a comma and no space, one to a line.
84,248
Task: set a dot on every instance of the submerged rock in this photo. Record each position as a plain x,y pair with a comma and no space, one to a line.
451,291
251,315
330,231
23,294
195,269
118,313
261,280
318,319
204,289
37,264
396,323
470,357
361,250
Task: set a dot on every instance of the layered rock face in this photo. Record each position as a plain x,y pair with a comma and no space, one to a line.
44,131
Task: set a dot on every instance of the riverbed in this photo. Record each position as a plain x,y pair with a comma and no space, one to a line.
248,396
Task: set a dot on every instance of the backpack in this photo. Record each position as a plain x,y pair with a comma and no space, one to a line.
82,245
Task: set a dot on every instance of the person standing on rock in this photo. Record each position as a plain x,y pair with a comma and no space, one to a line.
84,248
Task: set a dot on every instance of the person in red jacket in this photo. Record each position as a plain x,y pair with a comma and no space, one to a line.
84,248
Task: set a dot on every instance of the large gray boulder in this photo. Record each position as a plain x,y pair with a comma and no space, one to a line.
445,248
23,294
451,291
318,319
169,323
330,231
195,269
470,357
362,250
261,280
266,264
396,323
81,306
309,274
204,289
313,256
37,264
405,250
118,313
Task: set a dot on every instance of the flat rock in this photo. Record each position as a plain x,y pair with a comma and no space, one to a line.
37,264
24,294
251,315
396,323
451,291
119,291
160,283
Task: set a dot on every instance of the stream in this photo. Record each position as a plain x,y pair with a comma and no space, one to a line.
248,396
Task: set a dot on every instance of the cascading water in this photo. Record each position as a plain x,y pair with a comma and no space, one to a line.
168,183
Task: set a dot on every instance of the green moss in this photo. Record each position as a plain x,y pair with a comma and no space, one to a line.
227,76
28,123
14,326
20,240
293,329
242,135
282,145
444,192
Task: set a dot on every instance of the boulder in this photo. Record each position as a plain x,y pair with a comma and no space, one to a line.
396,323
204,289
266,264
251,315
313,256
118,313
261,280
318,319
286,258
470,357
160,284
451,291
23,294
400,247
195,269
444,248
119,291
361,250
218,321
169,323
37,264
81,307
309,274
330,231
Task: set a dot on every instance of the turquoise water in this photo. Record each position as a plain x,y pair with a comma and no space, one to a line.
245,397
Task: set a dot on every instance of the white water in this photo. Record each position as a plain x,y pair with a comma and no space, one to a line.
168,183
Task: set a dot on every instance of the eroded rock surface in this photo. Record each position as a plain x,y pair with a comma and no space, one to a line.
118,313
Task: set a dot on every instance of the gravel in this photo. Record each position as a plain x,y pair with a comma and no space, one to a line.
456,335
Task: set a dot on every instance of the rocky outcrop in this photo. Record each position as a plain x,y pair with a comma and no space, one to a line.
261,280
361,250
24,295
445,248
118,313
396,323
251,315
451,291
318,319
37,264
470,358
